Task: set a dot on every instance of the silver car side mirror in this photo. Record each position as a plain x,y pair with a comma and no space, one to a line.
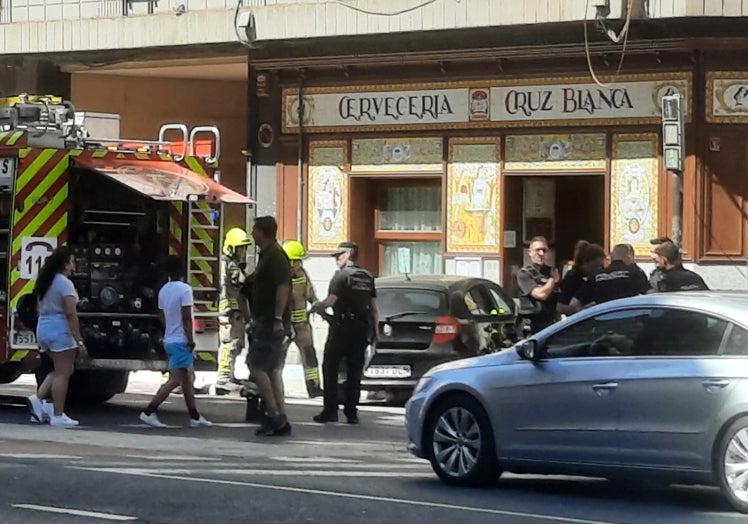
528,350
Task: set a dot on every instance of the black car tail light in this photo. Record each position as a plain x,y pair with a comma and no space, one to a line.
447,330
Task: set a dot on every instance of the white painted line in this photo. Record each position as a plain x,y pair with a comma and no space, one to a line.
315,460
356,496
76,512
38,456
176,458
385,473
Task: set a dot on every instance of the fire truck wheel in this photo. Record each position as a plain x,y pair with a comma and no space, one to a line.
96,387
10,371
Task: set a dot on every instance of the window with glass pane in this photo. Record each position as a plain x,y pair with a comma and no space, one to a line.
425,257
411,209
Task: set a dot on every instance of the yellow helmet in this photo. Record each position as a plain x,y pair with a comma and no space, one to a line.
294,249
235,237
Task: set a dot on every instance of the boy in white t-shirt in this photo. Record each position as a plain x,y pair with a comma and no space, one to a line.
175,305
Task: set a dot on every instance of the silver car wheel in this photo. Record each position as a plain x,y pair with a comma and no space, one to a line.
736,465
457,442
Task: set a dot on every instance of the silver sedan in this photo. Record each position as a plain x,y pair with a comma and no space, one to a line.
653,387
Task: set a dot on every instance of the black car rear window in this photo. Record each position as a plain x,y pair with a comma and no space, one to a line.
394,301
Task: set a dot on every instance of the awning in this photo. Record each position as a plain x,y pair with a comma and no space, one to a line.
163,180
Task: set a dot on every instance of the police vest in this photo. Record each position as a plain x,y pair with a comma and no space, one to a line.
358,293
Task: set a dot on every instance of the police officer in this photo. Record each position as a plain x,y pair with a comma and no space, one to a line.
622,278
233,307
588,261
674,276
656,274
538,288
302,292
353,298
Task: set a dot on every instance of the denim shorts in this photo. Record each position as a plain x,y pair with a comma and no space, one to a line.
53,334
180,355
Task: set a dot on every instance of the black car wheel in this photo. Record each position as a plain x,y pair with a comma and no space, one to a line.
460,442
732,464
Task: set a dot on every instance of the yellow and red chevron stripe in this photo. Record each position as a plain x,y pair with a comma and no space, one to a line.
205,242
40,206
13,139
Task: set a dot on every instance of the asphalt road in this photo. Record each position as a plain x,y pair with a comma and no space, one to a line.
115,469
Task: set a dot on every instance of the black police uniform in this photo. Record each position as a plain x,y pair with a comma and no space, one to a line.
618,280
348,336
540,313
681,279
655,277
571,283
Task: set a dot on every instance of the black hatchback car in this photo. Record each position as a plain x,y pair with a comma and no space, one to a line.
426,320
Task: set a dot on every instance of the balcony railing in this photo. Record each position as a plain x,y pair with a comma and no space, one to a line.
47,10
50,10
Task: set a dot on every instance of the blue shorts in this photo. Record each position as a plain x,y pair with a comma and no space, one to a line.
180,355
53,334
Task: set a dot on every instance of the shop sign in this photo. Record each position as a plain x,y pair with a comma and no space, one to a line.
571,101
728,93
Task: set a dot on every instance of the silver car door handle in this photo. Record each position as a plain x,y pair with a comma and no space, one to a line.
605,387
715,384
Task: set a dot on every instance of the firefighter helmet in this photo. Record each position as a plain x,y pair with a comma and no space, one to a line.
235,237
294,249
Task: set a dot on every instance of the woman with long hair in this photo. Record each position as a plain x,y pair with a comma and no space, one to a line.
58,334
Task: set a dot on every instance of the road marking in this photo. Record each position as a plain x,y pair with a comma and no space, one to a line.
38,456
315,460
76,512
385,472
176,458
356,496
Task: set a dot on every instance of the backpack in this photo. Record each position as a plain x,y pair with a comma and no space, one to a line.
359,290
27,310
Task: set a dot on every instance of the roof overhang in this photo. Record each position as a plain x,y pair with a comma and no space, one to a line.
163,180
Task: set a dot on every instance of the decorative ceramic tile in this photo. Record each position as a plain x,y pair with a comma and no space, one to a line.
473,196
556,152
397,154
327,223
634,191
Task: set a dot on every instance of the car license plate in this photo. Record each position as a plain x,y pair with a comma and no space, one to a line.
24,338
387,372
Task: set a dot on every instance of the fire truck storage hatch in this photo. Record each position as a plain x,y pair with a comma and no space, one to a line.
163,180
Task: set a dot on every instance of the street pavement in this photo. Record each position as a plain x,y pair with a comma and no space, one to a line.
115,469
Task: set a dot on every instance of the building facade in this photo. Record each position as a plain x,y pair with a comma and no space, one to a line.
447,154
439,134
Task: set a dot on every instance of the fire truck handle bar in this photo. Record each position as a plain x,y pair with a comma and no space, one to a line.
216,135
176,127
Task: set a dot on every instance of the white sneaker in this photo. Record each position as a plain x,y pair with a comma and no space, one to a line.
36,407
48,411
152,420
63,421
201,422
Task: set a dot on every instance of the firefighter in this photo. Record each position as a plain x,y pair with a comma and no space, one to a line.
302,292
233,307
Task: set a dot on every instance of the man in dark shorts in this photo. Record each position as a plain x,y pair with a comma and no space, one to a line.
270,289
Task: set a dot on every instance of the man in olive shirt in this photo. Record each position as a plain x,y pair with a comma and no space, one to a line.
269,287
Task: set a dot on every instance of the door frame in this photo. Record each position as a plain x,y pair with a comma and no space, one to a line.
507,276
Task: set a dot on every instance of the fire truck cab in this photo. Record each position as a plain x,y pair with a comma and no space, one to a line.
121,206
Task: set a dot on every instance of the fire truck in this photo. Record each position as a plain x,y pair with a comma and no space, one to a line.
121,206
